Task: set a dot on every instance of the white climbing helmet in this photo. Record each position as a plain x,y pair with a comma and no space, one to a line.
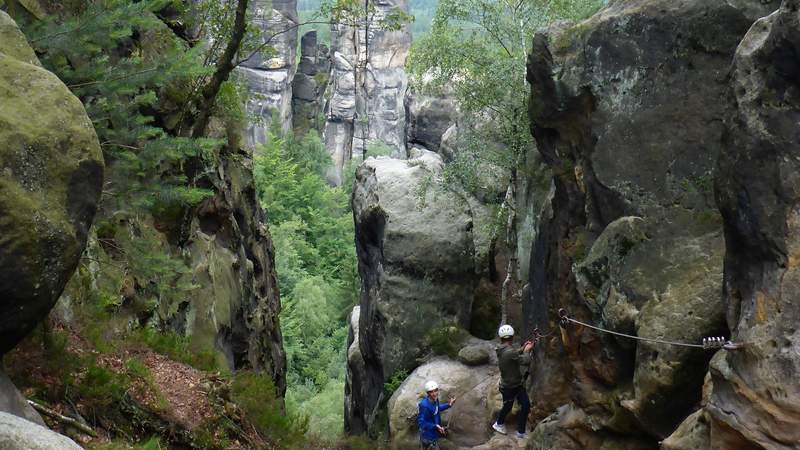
431,386
505,331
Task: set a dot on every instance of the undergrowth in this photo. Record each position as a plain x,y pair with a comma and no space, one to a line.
446,339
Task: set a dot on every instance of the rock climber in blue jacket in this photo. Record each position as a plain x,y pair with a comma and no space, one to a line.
430,419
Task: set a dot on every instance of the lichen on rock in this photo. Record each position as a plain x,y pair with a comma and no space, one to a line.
52,172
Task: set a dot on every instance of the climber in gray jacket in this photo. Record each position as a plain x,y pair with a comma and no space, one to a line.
510,360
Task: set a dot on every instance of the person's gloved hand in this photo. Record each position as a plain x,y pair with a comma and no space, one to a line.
528,346
441,430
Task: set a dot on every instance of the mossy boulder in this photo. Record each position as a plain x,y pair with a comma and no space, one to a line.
52,172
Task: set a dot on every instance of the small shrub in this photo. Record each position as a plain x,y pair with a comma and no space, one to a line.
101,388
177,348
378,149
255,394
446,340
153,443
394,382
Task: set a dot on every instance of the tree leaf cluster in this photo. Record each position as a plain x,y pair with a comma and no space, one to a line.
138,67
312,230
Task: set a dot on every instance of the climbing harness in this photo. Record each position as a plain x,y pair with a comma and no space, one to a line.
708,343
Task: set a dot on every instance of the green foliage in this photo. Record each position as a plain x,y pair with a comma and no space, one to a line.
177,348
322,408
137,80
377,149
101,391
255,394
394,382
312,231
477,49
153,443
357,12
446,339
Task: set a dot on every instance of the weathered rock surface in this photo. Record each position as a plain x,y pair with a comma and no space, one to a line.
692,434
232,259
52,172
627,113
309,84
469,421
269,74
474,355
19,434
570,428
12,401
417,261
367,89
755,402
428,117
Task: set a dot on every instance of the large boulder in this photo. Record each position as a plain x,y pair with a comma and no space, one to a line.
756,399
52,173
570,428
19,434
628,111
12,401
469,421
429,116
417,260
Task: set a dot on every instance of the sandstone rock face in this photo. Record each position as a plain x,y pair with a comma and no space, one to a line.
417,261
52,173
367,89
428,118
692,434
628,111
12,402
569,428
309,84
231,257
469,420
19,434
755,401
269,75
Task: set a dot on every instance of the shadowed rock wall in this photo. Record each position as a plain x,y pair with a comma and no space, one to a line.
628,110
755,401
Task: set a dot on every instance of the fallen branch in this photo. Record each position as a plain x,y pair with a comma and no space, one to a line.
69,421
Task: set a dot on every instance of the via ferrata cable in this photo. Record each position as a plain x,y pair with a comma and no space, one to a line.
708,343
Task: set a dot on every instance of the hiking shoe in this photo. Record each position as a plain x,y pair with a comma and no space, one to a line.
499,428
521,435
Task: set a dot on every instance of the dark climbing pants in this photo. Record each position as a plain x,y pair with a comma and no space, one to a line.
425,444
521,396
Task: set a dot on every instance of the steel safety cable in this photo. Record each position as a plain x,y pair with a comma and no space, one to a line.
708,343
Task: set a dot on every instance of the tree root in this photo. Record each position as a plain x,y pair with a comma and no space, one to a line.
69,421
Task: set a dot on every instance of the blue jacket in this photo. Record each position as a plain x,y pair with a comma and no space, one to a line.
430,416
